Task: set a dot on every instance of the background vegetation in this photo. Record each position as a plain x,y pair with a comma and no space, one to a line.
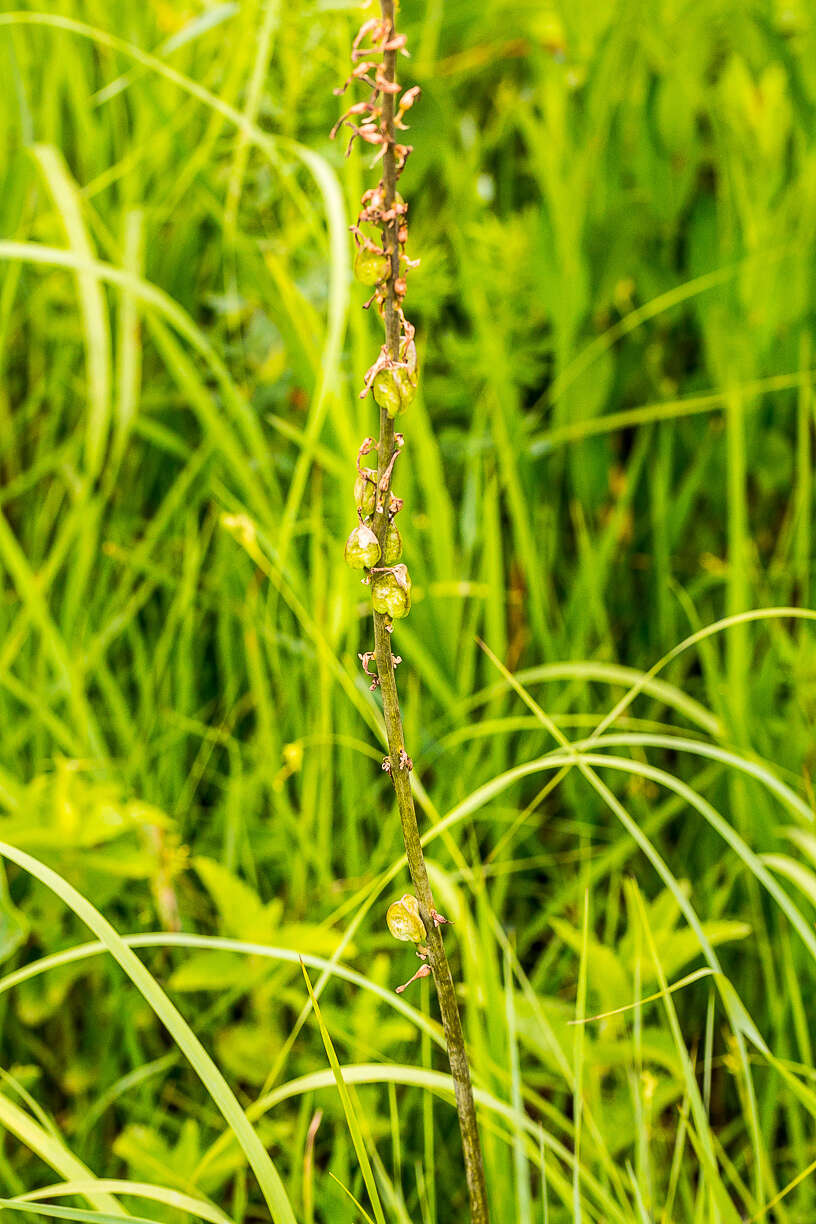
612,449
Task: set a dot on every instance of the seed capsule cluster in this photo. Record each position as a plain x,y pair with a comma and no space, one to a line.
375,544
387,577
381,231
381,263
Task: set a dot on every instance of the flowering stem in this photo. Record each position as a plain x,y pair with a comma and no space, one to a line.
400,776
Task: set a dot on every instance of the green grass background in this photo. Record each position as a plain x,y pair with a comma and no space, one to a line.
611,452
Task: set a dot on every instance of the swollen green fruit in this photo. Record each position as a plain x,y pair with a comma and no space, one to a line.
362,548
391,592
394,390
404,921
393,546
365,492
370,267
395,387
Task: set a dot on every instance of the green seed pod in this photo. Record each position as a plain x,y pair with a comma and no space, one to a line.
393,546
391,592
365,492
370,267
362,548
394,390
404,921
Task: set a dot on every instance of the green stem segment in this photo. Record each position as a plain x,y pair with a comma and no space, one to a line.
443,979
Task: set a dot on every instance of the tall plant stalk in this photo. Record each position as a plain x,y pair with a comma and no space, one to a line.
392,379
